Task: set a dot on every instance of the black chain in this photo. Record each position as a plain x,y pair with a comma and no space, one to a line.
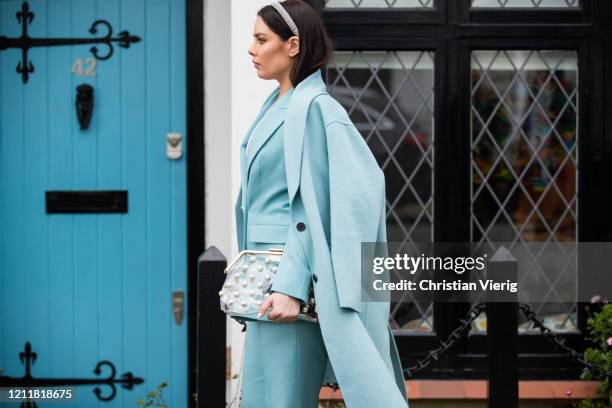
473,313
554,339
451,340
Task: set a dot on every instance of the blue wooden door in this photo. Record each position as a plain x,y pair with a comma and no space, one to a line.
82,288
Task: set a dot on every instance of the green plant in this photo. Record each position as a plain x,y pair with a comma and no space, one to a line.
600,330
154,398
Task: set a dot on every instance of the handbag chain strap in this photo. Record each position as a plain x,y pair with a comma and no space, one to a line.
237,398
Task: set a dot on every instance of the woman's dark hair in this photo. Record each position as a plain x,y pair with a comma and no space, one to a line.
315,46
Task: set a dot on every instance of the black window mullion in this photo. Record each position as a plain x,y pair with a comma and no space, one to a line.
607,12
452,222
604,162
594,66
460,10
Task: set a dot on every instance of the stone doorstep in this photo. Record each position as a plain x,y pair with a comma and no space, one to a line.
477,390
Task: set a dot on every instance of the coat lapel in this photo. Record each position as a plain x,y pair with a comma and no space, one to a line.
295,123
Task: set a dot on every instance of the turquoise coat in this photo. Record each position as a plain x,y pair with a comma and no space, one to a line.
332,179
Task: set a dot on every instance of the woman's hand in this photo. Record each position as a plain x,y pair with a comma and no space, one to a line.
285,308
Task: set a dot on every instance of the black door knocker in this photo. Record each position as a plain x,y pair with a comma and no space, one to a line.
84,104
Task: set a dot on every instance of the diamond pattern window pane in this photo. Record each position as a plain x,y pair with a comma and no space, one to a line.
389,97
524,159
526,3
379,3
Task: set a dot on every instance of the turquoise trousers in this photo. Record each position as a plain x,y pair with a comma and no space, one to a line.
284,365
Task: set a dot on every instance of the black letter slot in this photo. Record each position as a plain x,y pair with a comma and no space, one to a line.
87,201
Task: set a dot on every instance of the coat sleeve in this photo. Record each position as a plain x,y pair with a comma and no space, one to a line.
356,200
293,274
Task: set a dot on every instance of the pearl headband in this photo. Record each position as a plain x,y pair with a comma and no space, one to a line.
281,10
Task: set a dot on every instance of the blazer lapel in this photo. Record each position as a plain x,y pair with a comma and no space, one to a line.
269,100
243,161
265,130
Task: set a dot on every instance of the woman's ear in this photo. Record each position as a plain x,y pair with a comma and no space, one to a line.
294,46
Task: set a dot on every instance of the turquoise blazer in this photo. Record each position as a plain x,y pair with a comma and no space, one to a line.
264,207
335,200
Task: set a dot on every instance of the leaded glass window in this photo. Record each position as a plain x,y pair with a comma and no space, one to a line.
525,3
389,97
524,158
379,3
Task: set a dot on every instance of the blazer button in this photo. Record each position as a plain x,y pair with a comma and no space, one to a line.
300,226
314,277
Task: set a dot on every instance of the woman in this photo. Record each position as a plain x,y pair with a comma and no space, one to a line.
310,185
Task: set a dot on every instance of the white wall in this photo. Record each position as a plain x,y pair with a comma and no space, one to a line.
233,95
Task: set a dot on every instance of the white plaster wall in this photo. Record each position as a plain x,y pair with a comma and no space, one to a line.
233,96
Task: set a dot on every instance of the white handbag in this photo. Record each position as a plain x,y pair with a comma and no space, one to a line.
249,281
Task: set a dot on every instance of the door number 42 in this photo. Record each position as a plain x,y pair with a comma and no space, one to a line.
90,69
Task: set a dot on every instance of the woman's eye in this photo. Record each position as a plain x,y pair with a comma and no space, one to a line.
261,41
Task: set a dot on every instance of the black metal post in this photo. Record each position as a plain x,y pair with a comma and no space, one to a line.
211,323
502,336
